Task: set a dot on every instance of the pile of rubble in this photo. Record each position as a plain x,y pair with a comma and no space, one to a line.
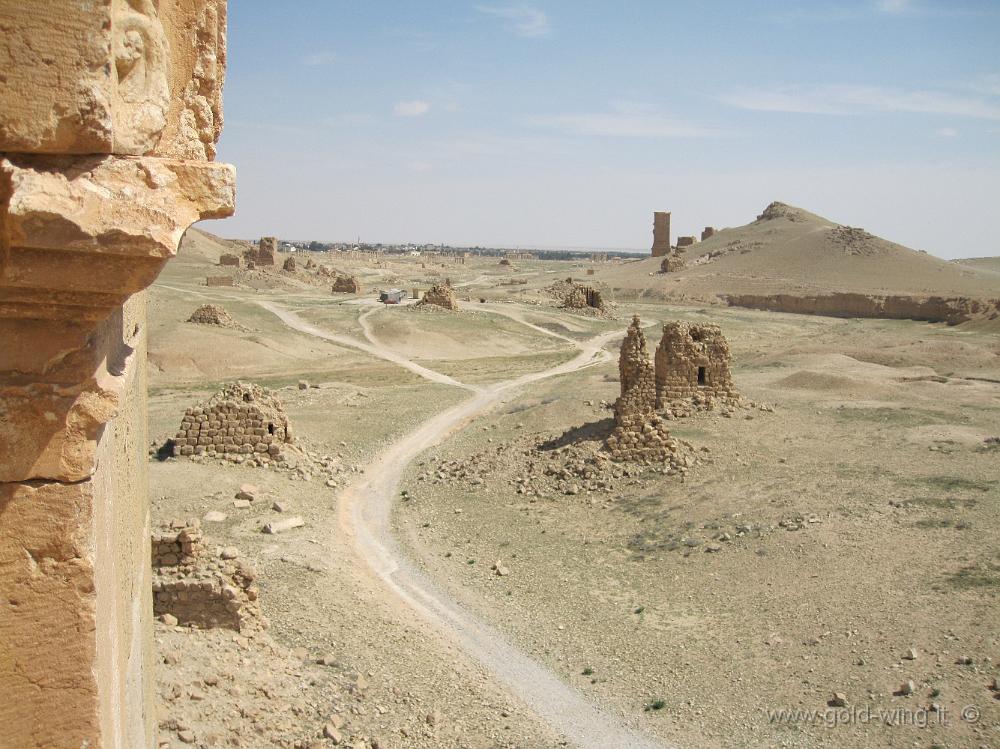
781,210
640,434
243,419
539,466
440,295
213,314
194,587
346,285
855,241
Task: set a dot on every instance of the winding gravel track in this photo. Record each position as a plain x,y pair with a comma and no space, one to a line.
297,323
365,510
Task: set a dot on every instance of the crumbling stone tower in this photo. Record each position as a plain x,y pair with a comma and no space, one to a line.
692,360
109,116
639,434
661,233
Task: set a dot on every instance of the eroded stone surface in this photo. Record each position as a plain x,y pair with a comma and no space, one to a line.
112,77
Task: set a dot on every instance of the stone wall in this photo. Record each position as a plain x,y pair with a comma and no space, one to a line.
229,259
686,241
192,586
220,281
661,233
692,360
109,115
289,265
708,231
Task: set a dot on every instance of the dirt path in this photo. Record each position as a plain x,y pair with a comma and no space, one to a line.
365,510
297,323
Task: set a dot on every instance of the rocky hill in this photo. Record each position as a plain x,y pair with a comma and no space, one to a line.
789,259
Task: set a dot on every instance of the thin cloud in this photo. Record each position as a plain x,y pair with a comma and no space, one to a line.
414,108
523,20
620,125
848,100
895,7
319,58
420,166
947,132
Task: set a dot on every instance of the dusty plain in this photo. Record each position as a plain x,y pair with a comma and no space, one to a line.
839,536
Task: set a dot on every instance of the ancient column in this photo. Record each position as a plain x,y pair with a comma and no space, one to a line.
109,115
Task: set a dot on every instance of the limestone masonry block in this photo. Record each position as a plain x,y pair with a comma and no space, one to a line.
112,77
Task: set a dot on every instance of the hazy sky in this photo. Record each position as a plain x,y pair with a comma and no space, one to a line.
567,123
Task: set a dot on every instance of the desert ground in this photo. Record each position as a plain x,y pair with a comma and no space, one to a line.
468,574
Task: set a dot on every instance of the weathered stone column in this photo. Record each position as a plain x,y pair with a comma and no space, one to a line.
109,115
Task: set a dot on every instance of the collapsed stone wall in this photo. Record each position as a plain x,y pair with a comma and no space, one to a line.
707,233
191,586
692,360
640,434
347,285
220,281
289,264
440,295
227,258
686,241
241,419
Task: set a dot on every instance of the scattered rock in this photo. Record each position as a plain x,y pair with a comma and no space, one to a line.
230,552
839,699
279,526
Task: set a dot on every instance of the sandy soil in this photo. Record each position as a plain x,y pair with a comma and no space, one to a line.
861,519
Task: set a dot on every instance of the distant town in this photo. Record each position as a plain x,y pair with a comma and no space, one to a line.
452,250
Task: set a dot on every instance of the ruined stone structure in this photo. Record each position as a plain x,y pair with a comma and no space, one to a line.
686,241
229,259
504,261
661,233
707,232
195,587
640,434
520,256
241,419
584,296
109,115
347,285
213,314
440,295
289,264
671,264
692,360
220,281
267,250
